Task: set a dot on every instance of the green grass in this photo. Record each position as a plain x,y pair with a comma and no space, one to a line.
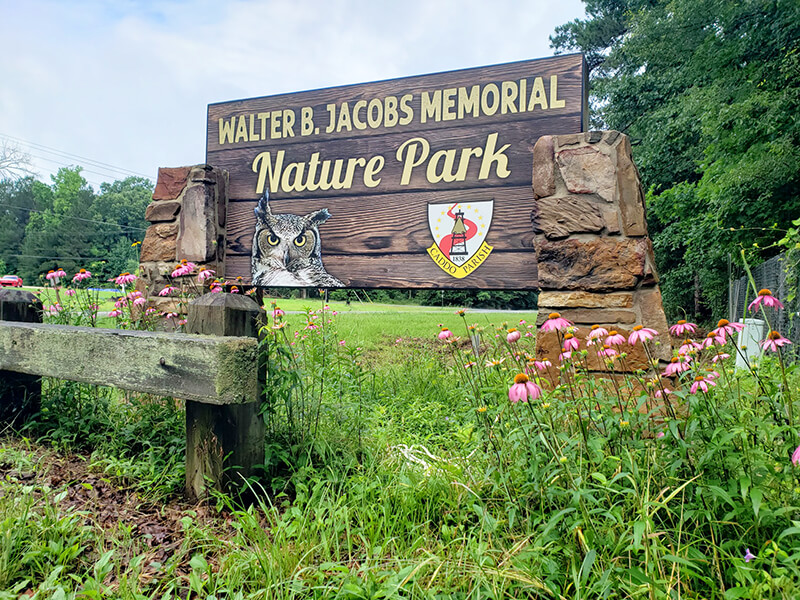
374,326
395,472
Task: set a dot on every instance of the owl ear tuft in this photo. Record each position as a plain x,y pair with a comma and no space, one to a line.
262,208
318,217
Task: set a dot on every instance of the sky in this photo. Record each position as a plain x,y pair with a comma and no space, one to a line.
121,87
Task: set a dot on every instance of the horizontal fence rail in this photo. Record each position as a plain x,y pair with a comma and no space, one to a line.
207,369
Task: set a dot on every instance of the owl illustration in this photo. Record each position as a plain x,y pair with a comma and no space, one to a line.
287,250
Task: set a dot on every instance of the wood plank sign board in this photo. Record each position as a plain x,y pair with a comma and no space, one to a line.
419,182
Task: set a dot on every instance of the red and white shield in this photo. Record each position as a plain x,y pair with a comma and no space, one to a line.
459,232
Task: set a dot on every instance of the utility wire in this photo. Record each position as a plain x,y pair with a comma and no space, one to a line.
55,257
75,218
69,155
83,169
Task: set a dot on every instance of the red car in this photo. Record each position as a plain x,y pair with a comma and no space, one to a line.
10,281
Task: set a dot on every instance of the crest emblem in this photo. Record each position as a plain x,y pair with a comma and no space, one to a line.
459,235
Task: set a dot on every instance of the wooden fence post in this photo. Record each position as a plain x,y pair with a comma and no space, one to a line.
224,443
20,394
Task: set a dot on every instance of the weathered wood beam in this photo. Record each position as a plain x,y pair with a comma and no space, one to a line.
224,444
205,369
20,393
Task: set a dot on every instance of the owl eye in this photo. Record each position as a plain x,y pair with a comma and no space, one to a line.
273,240
300,240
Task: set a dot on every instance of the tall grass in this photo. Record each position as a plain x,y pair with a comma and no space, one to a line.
408,474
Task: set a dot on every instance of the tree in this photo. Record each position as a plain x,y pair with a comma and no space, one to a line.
17,202
14,163
709,91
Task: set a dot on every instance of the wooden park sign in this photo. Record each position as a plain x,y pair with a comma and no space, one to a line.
417,182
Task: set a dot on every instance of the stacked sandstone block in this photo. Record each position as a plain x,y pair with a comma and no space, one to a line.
188,222
596,263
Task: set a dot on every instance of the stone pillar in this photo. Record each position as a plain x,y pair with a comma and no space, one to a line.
20,394
595,259
188,222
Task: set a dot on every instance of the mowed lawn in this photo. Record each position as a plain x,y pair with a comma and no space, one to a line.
370,325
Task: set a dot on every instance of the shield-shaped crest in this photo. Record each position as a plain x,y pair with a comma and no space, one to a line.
459,232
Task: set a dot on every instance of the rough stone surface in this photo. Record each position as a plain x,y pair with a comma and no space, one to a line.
631,199
651,310
611,137
595,265
198,234
586,170
159,243
557,218
159,212
544,183
559,300
171,182
203,174
572,139
611,219
591,316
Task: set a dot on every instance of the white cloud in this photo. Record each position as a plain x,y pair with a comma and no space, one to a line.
128,82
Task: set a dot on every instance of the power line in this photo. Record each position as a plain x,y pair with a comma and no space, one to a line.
75,218
69,155
55,257
83,169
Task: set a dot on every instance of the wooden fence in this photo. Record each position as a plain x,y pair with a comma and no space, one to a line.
215,373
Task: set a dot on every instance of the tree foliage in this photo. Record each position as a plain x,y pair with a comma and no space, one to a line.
69,225
709,91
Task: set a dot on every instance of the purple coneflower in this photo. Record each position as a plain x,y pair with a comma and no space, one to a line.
641,334
445,333
565,355
205,274
57,274
690,347
513,335
124,279
675,366
796,457
774,341
523,388
541,365
167,291
570,342
614,338
725,327
555,322
719,356
701,383
81,275
115,313
712,338
682,327
765,297
596,332
608,351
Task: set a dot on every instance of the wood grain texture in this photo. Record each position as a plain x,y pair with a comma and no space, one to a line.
568,69
204,369
500,271
519,136
391,223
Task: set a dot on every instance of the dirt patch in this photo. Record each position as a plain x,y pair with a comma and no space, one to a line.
155,530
